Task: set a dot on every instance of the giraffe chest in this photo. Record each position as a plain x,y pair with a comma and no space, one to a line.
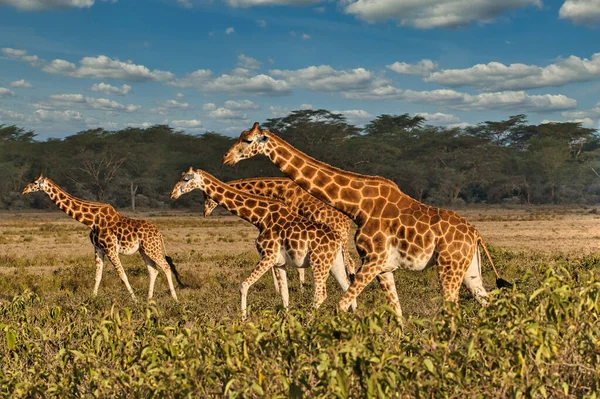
293,255
129,248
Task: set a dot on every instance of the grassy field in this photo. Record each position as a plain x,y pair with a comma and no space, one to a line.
541,339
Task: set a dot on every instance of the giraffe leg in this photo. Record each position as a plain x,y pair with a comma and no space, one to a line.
264,264
348,262
388,285
339,273
320,272
161,262
114,259
301,278
371,268
449,279
275,280
99,255
152,273
473,279
283,285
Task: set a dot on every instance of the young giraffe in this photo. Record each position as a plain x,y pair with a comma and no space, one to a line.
394,230
112,233
284,189
283,236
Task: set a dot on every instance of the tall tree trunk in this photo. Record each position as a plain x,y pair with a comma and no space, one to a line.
133,191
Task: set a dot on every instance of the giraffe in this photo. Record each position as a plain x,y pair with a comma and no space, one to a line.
394,230
284,236
284,189
112,233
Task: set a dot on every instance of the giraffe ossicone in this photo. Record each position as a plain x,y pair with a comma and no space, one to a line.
113,233
284,236
394,230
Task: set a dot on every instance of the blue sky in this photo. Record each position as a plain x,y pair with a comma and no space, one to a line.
198,65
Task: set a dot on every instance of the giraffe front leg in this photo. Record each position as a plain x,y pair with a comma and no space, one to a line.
99,255
114,259
320,273
371,268
264,264
301,278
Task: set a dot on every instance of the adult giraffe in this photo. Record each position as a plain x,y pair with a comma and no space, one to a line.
394,230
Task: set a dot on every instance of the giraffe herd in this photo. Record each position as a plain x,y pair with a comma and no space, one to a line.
304,221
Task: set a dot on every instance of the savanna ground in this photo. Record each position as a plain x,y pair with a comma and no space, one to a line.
540,339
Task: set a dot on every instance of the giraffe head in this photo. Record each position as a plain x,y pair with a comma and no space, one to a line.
40,183
209,206
190,180
250,143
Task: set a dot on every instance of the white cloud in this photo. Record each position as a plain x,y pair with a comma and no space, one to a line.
78,100
279,112
42,115
460,125
230,30
248,62
110,89
421,68
94,123
581,12
255,85
262,23
4,92
428,14
175,104
209,106
9,115
356,116
103,67
22,83
305,36
142,125
439,117
21,55
252,3
497,76
185,3
325,78
35,5
180,95
195,79
182,123
589,118
242,104
506,100
227,114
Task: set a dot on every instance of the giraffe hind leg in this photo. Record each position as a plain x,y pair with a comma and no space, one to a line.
99,256
160,261
474,281
152,272
339,273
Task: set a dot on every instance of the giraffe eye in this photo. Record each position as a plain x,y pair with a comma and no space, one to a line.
188,177
247,141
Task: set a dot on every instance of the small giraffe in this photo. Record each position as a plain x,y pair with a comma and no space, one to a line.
284,236
284,189
112,233
394,230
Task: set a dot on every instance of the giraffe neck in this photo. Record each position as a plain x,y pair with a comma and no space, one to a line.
338,188
250,207
77,208
271,187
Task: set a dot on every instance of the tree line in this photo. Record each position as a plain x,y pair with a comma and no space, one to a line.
509,161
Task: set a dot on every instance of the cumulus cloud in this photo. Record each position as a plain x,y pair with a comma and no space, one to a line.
185,3
78,100
439,117
21,55
255,85
262,23
589,118
110,89
230,30
209,106
428,14
42,115
103,67
226,114
22,84
506,100
4,92
325,78
278,112
240,105
497,76
305,36
581,12
175,104
186,123
248,62
142,125
421,68
9,115
180,95
35,5
252,3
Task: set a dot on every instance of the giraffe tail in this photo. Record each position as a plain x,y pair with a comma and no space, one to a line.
174,271
500,282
